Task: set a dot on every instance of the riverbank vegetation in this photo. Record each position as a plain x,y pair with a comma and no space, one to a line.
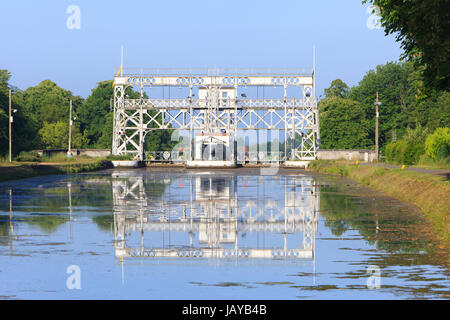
413,93
410,115
419,147
430,193
54,165
42,118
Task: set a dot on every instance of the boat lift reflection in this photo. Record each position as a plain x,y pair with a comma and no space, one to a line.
213,219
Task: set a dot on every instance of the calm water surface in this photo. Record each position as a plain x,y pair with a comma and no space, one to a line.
146,234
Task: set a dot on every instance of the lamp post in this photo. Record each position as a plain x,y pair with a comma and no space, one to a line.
10,124
69,152
377,103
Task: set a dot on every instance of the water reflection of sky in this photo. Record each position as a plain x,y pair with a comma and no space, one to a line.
253,237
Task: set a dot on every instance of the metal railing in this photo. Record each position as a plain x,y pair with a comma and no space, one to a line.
242,157
260,157
215,71
165,156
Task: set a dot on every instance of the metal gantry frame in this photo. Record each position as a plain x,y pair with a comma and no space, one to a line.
296,117
214,211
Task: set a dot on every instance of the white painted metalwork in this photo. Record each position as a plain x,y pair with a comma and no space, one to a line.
135,118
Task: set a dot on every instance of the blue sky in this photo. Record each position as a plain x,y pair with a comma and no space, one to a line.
37,45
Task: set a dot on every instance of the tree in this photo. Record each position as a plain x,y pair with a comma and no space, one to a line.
159,140
396,87
338,88
405,101
105,140
45,103
4,86
22,134
422,28
433,110
343,124
55,135
95,115
437,145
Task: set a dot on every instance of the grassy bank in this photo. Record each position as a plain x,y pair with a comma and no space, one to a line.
17,170
428,192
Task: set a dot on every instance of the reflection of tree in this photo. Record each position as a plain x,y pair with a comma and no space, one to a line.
335,208
56,200
4,230
47,223
52,203
84,193
396,231
104,222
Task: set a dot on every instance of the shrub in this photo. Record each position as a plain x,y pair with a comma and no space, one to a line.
389,152
28,156
417,135
413,153
404,152
437,144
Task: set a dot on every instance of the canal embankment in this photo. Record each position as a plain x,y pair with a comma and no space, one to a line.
429,192
17,170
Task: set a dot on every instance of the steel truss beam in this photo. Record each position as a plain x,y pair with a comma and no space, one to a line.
134,118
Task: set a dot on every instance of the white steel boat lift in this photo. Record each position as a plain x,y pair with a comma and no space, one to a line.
214,117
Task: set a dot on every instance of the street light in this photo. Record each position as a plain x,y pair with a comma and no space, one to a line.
69,152
11,119
377,103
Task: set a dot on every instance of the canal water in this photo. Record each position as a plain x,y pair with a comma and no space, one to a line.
199,234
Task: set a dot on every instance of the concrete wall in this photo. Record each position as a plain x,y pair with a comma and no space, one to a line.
94,153
361,155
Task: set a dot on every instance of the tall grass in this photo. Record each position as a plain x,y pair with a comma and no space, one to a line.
60,157
426,162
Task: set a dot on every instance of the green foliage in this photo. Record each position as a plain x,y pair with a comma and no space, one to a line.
343,124
417,135
414,152
159,140
347,116
5,75
412,147
405,102
22,136
426,162
56,135
43,104
422,29
105,140
338,88
389,151
97,120
120,157
404,152
437,145
96,116
28,156
47,102
396,88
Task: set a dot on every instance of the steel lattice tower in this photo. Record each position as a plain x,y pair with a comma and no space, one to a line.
296,117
